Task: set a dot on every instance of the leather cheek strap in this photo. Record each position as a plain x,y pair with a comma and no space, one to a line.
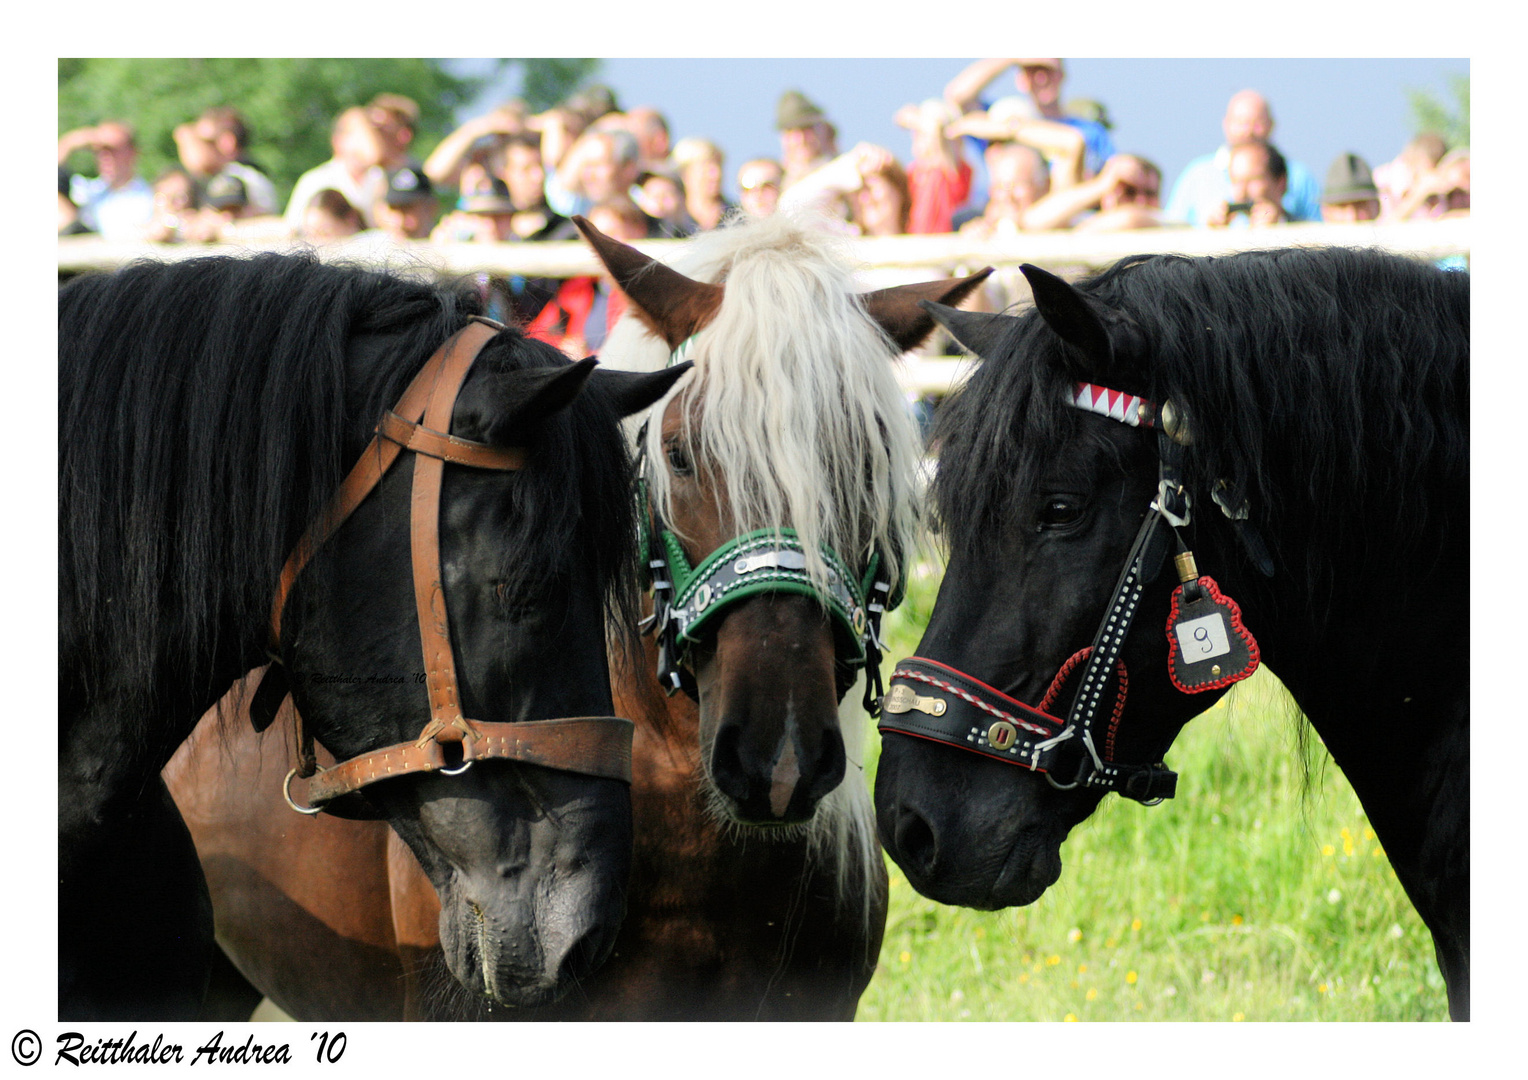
596,746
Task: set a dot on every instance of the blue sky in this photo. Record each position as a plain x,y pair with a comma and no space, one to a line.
1167,109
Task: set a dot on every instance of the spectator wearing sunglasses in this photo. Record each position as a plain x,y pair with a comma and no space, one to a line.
758,183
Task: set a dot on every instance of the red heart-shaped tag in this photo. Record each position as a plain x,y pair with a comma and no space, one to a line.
1208,648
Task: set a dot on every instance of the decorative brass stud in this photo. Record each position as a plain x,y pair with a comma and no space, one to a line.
1175,424
1214,669
1002,735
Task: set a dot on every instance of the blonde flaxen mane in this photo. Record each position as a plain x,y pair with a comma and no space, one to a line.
801,413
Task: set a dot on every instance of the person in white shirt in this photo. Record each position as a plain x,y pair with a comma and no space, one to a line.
117,203
355,170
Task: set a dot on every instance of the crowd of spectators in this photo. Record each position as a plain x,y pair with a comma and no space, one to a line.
513,176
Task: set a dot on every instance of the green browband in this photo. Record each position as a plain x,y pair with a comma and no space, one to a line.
769,561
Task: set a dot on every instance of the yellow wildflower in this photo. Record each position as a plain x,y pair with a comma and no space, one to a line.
906,957
1135,924
1327,851
1052,960
1091,994
1070,1018
1237,1018
1130,977
1236,920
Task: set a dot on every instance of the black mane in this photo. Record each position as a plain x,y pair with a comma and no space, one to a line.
206,414
1333,384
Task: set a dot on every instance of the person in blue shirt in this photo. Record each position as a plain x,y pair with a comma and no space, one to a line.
1204,187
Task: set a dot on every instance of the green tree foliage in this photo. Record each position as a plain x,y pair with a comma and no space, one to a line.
289,104
1430,114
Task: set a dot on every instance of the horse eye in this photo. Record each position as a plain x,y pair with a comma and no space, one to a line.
678,460
515,609
1059,511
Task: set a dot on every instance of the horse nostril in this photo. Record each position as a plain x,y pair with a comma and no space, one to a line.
727,765
828,772
917,849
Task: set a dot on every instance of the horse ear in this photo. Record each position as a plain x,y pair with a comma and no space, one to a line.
1104,334
899,309
976,331
670,304
525,397
633,391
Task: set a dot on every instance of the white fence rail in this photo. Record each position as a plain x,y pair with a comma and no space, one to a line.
946,253
913,256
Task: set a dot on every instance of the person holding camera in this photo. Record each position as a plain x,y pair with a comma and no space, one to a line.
1259,181
1203,187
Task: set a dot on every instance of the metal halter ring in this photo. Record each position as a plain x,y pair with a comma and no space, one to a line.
458,771
286,793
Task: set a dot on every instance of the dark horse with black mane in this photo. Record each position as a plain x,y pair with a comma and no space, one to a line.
1293,426
207,412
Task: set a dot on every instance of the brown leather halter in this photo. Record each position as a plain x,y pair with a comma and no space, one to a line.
590,745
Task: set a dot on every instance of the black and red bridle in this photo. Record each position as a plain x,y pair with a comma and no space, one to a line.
931,700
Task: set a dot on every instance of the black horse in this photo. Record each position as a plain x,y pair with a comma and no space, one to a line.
1297,421
207,412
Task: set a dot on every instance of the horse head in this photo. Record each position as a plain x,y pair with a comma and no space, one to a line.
1042,522
780,482
529,860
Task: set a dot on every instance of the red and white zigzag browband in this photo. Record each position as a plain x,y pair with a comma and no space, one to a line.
1115,404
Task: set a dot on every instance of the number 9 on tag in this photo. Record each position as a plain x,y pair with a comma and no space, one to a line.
1203,638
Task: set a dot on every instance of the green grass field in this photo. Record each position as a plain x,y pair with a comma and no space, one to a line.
1258,893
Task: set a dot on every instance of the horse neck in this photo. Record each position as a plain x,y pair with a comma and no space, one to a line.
1385,685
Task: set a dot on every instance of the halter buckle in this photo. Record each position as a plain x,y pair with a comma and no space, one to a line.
1170,497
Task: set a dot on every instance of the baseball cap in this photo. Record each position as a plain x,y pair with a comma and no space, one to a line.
225,192
408,185
494,201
